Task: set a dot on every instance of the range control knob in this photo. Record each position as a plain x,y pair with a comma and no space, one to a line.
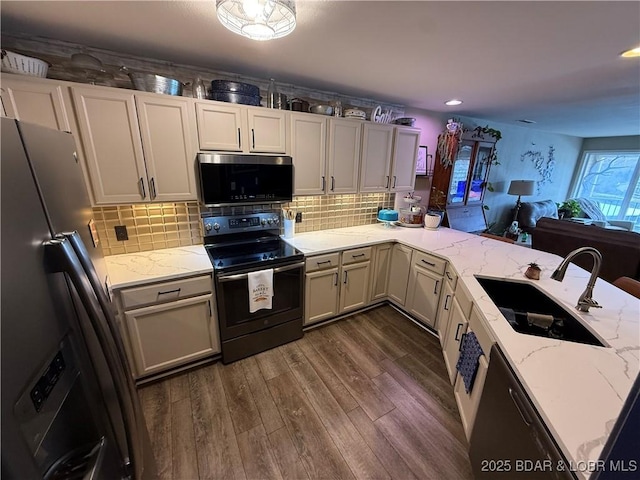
216,226
263,221
219,263
270,221
264,256
276,220
207,227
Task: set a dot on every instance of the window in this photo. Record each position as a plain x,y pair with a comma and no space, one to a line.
613,180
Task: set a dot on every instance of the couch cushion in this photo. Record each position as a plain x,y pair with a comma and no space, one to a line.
531,212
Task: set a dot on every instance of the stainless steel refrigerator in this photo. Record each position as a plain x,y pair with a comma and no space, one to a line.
69,404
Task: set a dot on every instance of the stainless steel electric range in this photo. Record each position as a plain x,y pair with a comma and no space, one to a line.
238,245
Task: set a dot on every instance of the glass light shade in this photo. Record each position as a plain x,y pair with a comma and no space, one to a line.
258,19
521,187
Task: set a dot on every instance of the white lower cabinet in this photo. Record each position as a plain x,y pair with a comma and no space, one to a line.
380,272
399,273
457,327
336,283
444,311
168,324
425,286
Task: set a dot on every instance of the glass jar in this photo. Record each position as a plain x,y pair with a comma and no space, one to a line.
199,89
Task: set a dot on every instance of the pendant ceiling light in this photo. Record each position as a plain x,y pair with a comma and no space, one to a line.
258,19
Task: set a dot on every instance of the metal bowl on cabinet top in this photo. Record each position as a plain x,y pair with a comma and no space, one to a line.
148,82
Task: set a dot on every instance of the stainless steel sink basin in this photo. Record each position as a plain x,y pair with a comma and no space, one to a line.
516,299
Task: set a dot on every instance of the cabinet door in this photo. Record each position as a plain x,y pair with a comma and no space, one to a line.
405,152
451,350
444,311
267,130
308,149
344,155
220,127
111,138
321,295
459,172
423,295
380,272
399,273
170,334
354,290
36,102
468,402
170,145
377,143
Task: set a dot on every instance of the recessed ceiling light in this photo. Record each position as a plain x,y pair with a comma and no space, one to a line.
453,102
634,52
524,120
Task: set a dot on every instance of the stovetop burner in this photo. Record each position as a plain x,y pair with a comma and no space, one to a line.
250,241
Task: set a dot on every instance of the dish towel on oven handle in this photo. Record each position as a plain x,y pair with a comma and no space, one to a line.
260,286
468,362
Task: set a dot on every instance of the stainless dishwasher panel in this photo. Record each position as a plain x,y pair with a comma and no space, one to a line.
509,439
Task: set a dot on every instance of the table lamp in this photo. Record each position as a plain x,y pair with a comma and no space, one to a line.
520,187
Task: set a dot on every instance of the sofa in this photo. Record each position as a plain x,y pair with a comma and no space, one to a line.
531,212
591,210
620,249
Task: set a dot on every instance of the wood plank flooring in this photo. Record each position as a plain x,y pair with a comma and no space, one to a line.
364,397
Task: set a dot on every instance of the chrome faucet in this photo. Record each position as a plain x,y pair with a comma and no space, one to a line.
585,301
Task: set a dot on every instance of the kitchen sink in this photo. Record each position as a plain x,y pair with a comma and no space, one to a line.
515,300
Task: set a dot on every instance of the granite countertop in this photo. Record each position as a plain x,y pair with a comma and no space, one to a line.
578,389
131,269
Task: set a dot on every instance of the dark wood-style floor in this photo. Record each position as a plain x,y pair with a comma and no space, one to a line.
365,397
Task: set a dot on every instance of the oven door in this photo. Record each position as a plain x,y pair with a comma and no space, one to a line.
232,296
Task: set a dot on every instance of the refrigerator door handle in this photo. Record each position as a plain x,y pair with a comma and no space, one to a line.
62,258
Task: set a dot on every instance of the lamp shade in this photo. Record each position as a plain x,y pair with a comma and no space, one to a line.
521,187
258,19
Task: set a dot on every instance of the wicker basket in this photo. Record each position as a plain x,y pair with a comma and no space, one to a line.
22,65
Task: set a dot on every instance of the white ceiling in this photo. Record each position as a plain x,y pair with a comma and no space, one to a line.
552,62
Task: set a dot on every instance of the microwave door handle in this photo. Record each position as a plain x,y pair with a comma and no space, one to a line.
61,257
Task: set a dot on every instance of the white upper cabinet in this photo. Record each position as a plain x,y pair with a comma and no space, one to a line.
167,127
343,155
405,152
138,147
377,145
308,150
234,128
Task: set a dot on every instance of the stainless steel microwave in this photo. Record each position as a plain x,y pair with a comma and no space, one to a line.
244,179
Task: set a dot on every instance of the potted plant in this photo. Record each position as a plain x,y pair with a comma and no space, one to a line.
569,209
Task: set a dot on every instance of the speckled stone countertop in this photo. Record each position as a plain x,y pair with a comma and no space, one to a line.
578,389
135,268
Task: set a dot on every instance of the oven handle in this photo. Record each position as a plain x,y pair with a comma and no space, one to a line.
240,276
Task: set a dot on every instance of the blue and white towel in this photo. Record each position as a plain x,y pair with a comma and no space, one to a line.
468,362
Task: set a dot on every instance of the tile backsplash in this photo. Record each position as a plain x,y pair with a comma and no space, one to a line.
150,226
334,211
167,225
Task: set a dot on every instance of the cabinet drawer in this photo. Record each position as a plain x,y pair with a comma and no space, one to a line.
430,262
320,262
451,276
165,291
464,299
356,255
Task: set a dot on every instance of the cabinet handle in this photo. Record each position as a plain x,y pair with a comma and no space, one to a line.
239,139
516,400
388,178
321,263
324,183
431,264
457,331
448,276
461,342
333,183
358,255
335,283
345,277
210,312
435,287
167,292
394,181
152,188
446,302
143,193
253,138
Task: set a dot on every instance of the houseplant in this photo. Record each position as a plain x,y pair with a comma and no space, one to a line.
568,209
